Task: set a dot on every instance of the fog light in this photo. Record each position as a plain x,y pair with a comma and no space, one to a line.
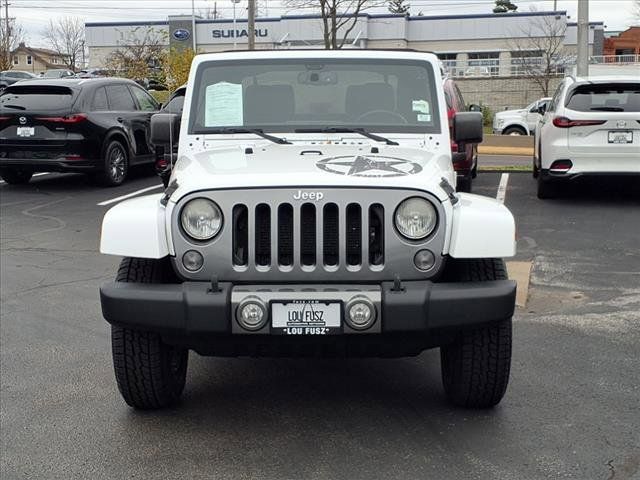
192,260
252,313
424,260
361,313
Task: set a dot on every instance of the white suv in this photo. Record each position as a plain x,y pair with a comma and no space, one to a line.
591,127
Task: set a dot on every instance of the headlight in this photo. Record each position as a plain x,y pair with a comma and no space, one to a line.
416,218
201,219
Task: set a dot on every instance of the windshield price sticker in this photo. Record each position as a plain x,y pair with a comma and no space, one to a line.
223,105
306,317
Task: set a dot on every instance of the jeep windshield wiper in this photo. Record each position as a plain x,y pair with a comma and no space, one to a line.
255,131
361,131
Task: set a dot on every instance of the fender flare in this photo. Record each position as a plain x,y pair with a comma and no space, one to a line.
136,228
482,227
117,132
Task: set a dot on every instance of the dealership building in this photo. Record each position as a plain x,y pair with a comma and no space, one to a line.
475,44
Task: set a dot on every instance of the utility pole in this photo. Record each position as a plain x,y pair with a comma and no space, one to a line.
555,5
193,25
7,38
582,66
251,27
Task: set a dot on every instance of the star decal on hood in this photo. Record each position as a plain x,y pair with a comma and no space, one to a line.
362,166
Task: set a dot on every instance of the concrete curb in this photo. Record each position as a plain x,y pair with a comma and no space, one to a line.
499,150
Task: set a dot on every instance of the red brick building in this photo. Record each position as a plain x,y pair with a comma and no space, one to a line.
625,43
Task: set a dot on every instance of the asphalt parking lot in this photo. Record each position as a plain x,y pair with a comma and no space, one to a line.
572,409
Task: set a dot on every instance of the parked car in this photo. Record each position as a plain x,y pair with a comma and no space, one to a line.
58,73
313,213
93,73
522,121
164,160
591,127
465,156
9,77
98,126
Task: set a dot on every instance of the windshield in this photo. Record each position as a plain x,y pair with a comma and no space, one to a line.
615,97
288,95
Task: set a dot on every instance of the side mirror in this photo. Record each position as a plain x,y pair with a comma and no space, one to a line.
164,129
467,127
475,108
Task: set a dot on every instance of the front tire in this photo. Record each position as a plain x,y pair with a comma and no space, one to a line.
15,176
546,189
476,365
514,131
464,183
150,373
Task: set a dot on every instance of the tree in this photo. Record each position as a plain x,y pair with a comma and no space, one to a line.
504,6
176,67
66,37
398,6
538,51
9,42
635,10
140,55
339,17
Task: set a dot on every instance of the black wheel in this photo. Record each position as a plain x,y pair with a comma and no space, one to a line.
464,184
150,374
15,176
546,189
475,367
115,164
514,131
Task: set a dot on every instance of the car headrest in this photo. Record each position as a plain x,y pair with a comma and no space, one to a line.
265,104
369,96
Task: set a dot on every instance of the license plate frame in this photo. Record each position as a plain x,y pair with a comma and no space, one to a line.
625,135
309,323
25,131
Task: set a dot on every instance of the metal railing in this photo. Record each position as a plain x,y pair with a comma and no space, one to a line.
523,66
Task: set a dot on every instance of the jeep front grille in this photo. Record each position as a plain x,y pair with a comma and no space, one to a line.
297,240
269,236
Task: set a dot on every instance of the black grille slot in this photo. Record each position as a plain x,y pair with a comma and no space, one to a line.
308,234
330,234
263,235
240,235
376,234
285,234
354,234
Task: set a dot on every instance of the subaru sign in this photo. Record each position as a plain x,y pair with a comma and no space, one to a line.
181,34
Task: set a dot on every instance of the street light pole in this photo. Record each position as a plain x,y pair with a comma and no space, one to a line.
582,64
251,24
193,25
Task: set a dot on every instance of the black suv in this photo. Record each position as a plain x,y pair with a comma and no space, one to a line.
98,126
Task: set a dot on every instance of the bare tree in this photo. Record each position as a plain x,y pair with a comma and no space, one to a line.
538,52
635,10
66,37
10,42
339,17
140,55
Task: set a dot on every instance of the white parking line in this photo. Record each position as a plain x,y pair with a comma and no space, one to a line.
35,175
129,195
502,188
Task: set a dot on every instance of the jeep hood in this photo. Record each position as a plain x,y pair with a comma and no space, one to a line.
301,166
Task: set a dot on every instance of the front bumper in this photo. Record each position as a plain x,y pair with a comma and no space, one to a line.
191,309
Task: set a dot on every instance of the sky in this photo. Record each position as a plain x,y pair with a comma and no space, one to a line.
34,15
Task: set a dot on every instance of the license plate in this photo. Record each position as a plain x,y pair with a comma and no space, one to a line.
26,131
306,317
621,137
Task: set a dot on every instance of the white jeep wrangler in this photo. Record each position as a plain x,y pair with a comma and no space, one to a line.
311,211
